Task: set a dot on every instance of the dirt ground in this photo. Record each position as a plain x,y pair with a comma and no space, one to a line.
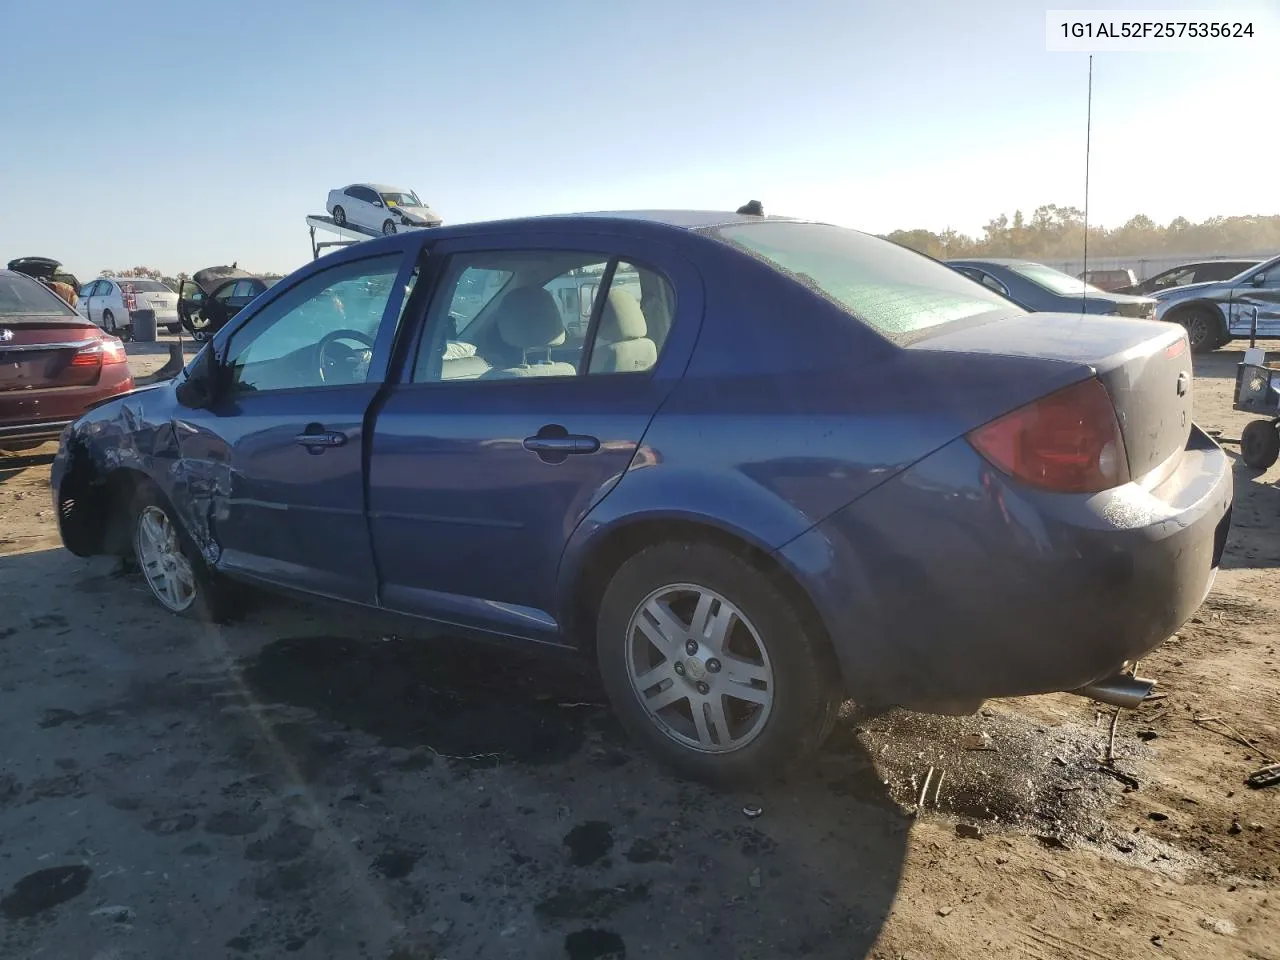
300,783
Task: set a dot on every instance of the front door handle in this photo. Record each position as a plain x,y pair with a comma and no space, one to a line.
317,439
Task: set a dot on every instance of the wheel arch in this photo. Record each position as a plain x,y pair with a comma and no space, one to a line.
603,554
92,506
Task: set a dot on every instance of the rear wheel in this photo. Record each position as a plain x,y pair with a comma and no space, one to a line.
109,322
388,227
339,216
709,665
170,563
1204,333
1260,444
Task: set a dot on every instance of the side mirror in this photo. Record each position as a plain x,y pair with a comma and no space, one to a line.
1258,279
199,388
377,203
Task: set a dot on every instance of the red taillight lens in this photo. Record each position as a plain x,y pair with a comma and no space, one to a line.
130,301
1067,442
102,352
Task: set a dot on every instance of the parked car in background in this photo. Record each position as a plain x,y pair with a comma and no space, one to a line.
1037,287
54,364
1206,271
1216,313
380,208
789,464
1115,281
49,272
111,302
212,296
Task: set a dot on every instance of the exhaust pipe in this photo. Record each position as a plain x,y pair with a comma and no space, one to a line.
1122,690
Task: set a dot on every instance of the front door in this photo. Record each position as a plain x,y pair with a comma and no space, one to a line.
287,430
508,429
1259,291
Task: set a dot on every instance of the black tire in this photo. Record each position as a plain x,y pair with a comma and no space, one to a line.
22,446
1204,330
806,695
388,227
173,327
215,599
1260,444
339,216
109,323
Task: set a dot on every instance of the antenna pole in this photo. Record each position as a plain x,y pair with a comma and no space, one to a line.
1088,135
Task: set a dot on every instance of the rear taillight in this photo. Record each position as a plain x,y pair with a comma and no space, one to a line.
1067,442
102,352
130,301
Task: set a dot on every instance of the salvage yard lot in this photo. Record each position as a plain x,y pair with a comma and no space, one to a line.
299,783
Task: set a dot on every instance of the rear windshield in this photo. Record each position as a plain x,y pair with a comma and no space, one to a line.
146,286
1054,280
895,290
23,297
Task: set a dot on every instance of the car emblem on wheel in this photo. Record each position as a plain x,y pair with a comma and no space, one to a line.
6,335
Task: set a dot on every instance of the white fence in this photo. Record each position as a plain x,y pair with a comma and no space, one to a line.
1149,266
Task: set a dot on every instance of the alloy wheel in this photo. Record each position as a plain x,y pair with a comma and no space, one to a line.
699,668
167,569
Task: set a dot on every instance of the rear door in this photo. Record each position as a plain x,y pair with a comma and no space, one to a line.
1259,291
285,438
496,442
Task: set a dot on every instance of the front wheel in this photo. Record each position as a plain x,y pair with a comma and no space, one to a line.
388,227
710,665
1260,444
1203,331
172,566
339,216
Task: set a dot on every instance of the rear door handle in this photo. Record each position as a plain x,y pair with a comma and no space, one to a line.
570,443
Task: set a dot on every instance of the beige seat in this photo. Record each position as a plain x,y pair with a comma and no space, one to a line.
529,321
622,343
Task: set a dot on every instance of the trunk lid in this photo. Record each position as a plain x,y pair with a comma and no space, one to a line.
39,355
1145,366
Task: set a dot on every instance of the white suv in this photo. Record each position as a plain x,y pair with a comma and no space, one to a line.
111,301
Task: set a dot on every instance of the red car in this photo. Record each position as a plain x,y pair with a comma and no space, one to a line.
54,364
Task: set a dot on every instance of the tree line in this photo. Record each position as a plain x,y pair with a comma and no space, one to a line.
1057,233
150,273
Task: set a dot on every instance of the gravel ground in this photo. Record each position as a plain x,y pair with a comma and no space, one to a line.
300,783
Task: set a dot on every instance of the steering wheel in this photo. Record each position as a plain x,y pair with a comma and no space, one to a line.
334,356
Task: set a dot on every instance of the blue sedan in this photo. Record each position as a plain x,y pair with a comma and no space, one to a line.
753,466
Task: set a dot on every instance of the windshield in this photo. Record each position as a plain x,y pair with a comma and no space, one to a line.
24,297
1255,268
146,286
1053,280
891,288
409,199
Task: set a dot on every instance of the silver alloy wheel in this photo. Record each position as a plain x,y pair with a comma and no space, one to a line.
699,668
339,216
109,322
1197,326
388,228
163,563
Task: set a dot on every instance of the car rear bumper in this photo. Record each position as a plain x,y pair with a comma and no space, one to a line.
951,583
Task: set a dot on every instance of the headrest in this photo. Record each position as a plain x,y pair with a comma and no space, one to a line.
622,318
528,318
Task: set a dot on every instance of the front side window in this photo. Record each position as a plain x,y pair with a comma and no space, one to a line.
520,314
892,289
319,333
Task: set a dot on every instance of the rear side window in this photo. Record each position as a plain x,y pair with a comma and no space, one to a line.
895,290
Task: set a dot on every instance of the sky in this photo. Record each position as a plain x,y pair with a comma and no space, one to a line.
179,135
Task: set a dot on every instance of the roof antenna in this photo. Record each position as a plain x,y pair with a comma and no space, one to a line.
1088,133
753,208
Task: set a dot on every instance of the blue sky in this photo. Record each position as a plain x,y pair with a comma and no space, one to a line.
179,135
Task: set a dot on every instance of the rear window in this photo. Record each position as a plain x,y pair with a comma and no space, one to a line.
23,297
895,290
146,286
1055,281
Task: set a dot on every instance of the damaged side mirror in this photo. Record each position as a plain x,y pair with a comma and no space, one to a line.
199,387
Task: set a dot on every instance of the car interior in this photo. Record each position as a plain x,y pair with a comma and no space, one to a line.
522,329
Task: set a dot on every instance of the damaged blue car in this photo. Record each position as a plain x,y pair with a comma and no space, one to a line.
752,466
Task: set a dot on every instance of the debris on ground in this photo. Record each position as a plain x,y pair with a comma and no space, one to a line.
751,811
969,831
1267,776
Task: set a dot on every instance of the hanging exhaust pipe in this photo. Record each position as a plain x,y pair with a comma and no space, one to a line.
1122,690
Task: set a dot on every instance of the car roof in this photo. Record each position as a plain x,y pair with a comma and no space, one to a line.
379,187
996,261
